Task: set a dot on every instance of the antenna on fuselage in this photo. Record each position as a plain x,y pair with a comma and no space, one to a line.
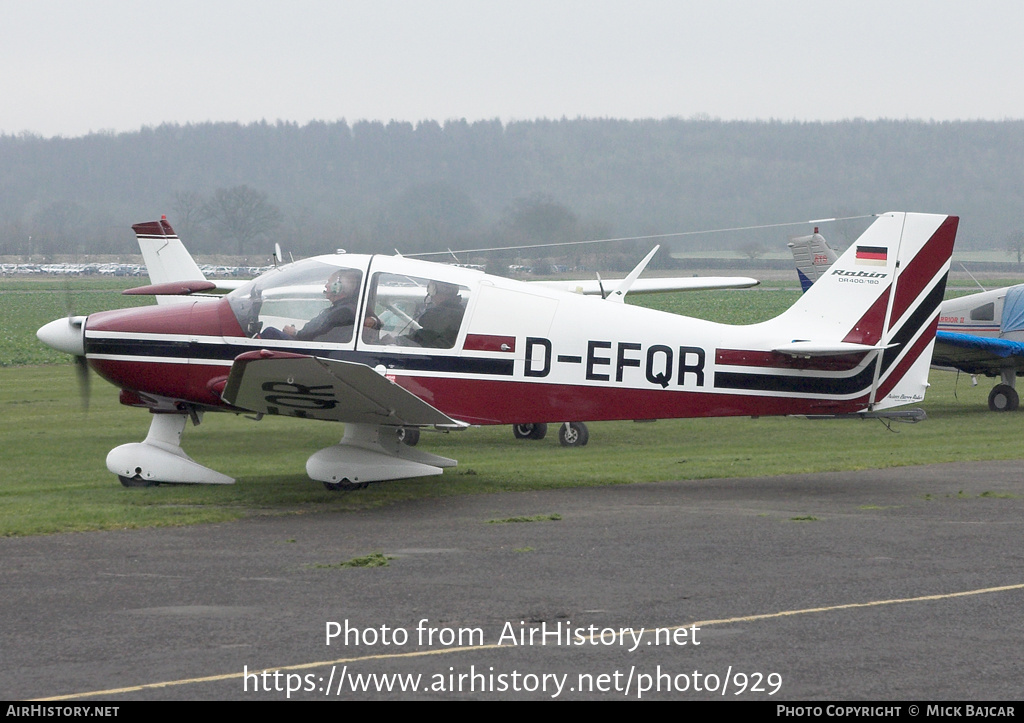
619,294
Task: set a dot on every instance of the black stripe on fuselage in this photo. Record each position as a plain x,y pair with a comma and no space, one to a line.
797,385
201,351
844,386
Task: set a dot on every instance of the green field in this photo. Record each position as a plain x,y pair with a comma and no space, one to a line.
53,477
27,304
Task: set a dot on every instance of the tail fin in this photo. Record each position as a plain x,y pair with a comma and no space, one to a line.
813,257
880,298
166,258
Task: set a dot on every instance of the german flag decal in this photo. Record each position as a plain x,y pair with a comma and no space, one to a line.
871,255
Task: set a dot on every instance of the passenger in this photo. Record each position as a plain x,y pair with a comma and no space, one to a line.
342,290
440,320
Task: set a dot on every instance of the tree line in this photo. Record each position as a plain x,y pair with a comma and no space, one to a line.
376,187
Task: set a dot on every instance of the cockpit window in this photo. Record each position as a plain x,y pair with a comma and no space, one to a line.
415,312
305,301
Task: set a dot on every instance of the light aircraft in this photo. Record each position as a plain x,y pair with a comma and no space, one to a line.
857,343
813,257
984,334
978,334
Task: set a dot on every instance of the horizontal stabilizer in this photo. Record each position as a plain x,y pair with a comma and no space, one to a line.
592,287
171,288
184,288
834,348
910,416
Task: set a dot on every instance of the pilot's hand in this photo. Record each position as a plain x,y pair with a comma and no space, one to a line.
289,330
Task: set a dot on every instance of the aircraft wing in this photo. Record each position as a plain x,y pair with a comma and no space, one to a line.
653,286
297,385
976,354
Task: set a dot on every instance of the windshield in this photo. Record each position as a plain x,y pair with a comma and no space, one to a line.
308,301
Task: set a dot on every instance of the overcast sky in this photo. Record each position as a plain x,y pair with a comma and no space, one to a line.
68,68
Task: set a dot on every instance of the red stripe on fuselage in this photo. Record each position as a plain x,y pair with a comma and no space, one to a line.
771,359
485,401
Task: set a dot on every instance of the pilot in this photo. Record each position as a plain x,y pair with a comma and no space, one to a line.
440,320
342,290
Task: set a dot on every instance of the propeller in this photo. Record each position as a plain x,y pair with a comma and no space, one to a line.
84,383
68,335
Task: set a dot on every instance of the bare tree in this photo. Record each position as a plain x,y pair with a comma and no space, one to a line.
753,250
241,213
188,214
1014,245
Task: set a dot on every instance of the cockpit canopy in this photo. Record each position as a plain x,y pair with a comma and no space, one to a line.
319,301
291,295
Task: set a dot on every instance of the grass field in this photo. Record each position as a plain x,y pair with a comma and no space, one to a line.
53,477
27,304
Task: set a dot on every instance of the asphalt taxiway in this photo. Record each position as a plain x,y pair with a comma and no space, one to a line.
894,584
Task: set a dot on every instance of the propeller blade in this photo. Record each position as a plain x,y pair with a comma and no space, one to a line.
68,335
84,382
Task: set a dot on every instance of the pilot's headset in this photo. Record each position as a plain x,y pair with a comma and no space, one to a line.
338,285
442,289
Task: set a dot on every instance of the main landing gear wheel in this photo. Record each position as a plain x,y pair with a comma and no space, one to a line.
1003,398
530,431
573,434
345,486
137,481
409,436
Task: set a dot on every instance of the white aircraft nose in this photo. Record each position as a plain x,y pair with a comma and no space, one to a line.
66,335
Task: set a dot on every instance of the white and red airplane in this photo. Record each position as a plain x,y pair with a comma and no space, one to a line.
406,344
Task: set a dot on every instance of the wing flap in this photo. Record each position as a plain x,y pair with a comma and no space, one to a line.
297,385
